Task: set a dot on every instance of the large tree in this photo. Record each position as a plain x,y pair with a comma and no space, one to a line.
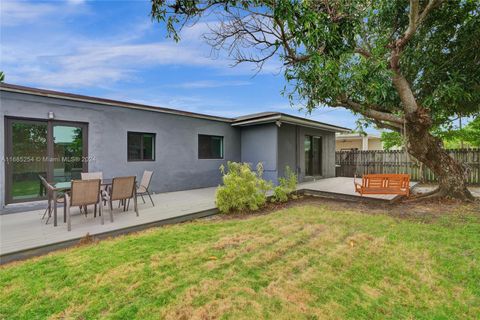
407,66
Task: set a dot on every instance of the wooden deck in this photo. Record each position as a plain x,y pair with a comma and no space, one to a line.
23,234
343,188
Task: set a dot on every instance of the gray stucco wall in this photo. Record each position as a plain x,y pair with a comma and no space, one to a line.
176,164
259,144
2,153
288,150
293,155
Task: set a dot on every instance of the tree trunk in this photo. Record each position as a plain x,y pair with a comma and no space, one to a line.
429,150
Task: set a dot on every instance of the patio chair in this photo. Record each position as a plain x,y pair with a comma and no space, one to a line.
122,189
83,194
90,176
144,185
49,193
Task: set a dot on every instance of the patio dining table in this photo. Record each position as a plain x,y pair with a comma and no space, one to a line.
64,187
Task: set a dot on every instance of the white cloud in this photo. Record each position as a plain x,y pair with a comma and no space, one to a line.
63,59
76,2
16,12
53,56
22,13
201,84
88,63
93,64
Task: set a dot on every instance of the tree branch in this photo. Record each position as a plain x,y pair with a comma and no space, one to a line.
400,83
370,112
415,20
363,52
387,125
412,24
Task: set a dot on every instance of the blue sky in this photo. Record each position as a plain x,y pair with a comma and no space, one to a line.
112,49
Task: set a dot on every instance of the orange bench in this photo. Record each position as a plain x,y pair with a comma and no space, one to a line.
383,184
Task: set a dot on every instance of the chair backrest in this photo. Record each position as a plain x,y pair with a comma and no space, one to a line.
85,192
48,187
146,178
43,181
92,175
123,188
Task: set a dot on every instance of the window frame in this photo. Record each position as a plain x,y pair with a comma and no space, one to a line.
154,135
211,136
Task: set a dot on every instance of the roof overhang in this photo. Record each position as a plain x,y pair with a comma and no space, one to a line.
105,102
280,118
260,118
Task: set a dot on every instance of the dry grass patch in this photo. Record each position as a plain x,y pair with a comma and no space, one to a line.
303,262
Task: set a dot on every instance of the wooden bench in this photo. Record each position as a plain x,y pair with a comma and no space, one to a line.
383,184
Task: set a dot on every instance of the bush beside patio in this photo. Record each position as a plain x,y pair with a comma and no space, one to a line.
309,261
244,190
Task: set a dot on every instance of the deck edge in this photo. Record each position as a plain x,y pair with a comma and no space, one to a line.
44,249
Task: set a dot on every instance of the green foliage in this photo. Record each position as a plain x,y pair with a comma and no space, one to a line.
343,49
2,76
286,186
471,133
391,139
454,136
242,189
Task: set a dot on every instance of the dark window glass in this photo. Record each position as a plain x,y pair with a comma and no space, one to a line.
141,146
313,156
148,147
210,147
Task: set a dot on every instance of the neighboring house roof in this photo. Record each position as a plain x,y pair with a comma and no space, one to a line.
252,119
356,136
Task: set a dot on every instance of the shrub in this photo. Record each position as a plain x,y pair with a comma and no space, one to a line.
242,189
286,186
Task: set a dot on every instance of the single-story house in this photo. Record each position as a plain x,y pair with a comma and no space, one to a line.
358,141
59,135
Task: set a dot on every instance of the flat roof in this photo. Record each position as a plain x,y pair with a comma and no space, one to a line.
102,101
273,117
247,120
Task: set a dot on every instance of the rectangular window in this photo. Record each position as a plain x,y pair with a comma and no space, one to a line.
141,146
210,147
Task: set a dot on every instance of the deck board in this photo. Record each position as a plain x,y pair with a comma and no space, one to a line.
25,230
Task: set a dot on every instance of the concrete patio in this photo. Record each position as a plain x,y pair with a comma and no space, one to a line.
24,234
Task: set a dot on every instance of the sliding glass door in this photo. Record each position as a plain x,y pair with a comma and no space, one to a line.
313,156
26,159
52,149
68,151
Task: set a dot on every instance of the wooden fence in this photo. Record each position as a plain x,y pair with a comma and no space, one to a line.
350,163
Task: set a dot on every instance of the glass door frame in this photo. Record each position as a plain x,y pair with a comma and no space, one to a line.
51,144
50,150
311,138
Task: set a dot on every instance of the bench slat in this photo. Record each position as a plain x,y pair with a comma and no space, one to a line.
384,184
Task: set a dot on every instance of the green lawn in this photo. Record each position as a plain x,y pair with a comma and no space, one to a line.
306,262
26,189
